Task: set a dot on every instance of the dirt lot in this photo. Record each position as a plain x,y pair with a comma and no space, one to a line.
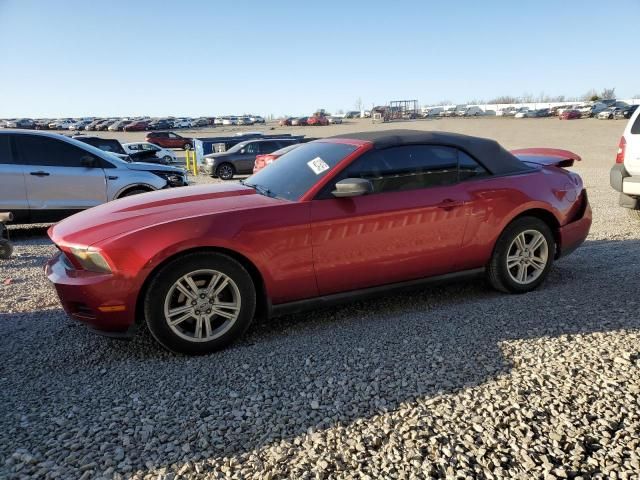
456,381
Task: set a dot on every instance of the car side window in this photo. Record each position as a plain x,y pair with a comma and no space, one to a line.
408,167
251,148
268,147
49,152
468,168
5,149
172,135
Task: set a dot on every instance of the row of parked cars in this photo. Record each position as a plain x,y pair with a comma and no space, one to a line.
137,124
603,109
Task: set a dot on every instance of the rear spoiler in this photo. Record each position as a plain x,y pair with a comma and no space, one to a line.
547,156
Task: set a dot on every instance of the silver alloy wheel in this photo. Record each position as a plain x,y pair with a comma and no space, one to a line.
527,257
202,305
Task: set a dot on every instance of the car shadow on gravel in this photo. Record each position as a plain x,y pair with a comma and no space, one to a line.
293,375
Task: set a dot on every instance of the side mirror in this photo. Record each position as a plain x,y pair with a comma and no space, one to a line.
352,187
89,162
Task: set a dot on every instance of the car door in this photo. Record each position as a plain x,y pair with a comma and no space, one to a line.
174,141
13,189
245,159
410,227
56,180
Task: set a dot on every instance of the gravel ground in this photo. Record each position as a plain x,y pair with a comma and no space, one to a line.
450,382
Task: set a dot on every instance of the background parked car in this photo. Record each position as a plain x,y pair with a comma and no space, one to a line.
334,120
626,112
21,123
625,174
118,126
50,176
570,115
137,126
319,120
241,158
285,122
608,113
169,140
297,122
161,154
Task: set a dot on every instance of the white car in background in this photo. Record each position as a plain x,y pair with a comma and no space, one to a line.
165,154
625,174
183,123
472,111
334,120
230,121
506,112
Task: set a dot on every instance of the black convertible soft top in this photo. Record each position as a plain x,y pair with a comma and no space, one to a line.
488,152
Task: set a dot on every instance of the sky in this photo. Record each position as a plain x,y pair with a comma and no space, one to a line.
198,57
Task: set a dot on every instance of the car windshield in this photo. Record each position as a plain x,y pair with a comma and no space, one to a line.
298,170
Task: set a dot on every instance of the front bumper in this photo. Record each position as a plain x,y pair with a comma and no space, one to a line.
103,301
573,234
207,169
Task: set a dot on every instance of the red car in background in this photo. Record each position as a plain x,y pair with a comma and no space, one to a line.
351,215
169,140
318,120
570,115
285,122
268,158
137,126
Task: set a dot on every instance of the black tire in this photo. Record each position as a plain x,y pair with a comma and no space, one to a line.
167,159
225,171
635,214
135,191
187,146
499,275
6,249
162,283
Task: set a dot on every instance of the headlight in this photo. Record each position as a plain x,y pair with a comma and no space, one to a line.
174,179
90,259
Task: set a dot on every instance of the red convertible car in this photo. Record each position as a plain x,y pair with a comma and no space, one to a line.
336,218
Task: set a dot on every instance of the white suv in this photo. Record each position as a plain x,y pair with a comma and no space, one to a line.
625,174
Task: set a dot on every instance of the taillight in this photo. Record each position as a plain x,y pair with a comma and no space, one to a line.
622,146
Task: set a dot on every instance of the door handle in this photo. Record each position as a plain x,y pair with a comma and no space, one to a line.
449,203
112,177
40,173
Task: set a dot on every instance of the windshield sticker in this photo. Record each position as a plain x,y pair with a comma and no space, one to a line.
318,165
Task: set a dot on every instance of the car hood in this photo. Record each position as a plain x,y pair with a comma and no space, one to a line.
144,166
131,214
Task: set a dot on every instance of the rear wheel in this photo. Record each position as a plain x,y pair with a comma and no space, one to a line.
522,256
200,303
225,171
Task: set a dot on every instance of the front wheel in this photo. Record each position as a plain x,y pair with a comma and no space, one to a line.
522,256
200,303
167,159
187,146
225,171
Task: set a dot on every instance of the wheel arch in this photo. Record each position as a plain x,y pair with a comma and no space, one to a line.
546,216
262,299
135,186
